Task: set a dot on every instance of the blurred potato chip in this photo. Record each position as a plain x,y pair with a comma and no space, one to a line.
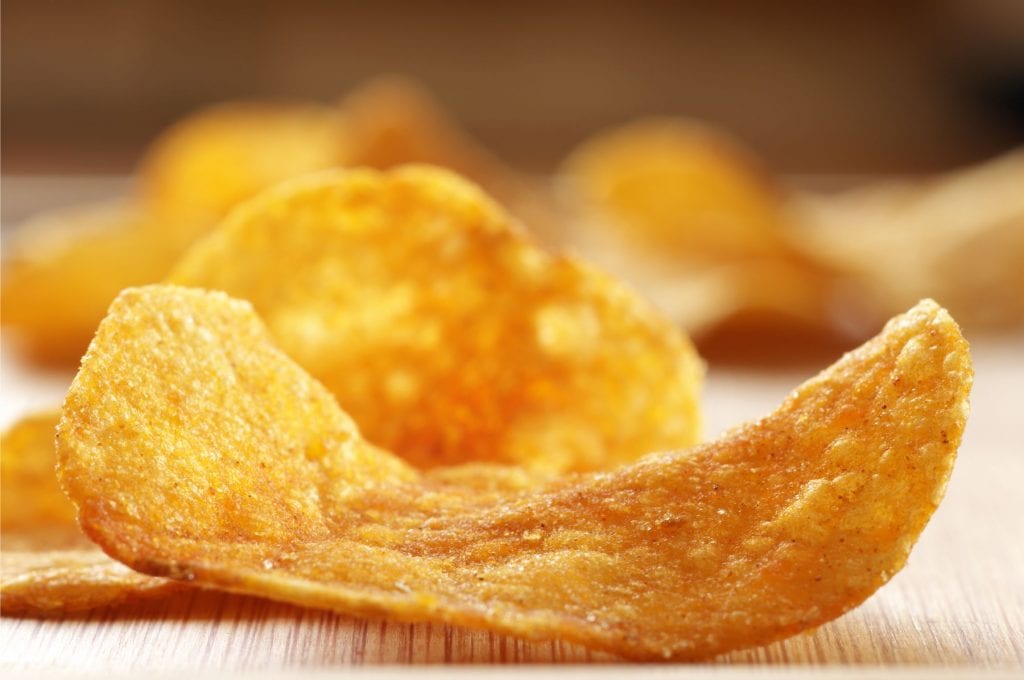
445,332
394,121
47,565
958,238
679,184
195,449
689,217
64,268
60,281
198,169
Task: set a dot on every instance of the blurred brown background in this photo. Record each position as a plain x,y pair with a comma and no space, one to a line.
867,87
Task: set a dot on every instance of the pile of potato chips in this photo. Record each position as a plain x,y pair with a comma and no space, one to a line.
386,393
676,208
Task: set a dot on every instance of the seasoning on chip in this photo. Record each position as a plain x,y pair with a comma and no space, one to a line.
195,449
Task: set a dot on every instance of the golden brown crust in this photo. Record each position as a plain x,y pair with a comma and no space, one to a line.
196,450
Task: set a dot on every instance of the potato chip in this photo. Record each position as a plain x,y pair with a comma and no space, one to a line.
205,164
196,449
47,564
393,121
69,265
65,267
958,238
445,332
685,214
673,183
44,581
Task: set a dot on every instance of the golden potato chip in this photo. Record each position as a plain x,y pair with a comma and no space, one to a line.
65,267
958,238
196,449
202,166
394,121
682,212
47,565
445,332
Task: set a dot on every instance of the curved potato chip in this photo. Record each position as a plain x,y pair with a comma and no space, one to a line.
47,564
682,212
445,332
394,121
31,497
198,169
958,238
66,267
195,449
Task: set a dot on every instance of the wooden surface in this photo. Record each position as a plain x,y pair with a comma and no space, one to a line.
959,602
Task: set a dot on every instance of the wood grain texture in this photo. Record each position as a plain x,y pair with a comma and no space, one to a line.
959,602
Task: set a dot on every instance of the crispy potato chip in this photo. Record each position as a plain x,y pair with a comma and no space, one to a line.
47,565
65,267
393,121
685,214
205,164
445,332
196,449
958,238
69,265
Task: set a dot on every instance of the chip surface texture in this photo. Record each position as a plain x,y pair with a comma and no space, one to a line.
195,449
446,332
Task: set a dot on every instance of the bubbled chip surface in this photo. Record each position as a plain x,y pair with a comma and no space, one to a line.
195,449
445,331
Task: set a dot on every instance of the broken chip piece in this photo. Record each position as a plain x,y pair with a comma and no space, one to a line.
47,564
445,331
195,449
